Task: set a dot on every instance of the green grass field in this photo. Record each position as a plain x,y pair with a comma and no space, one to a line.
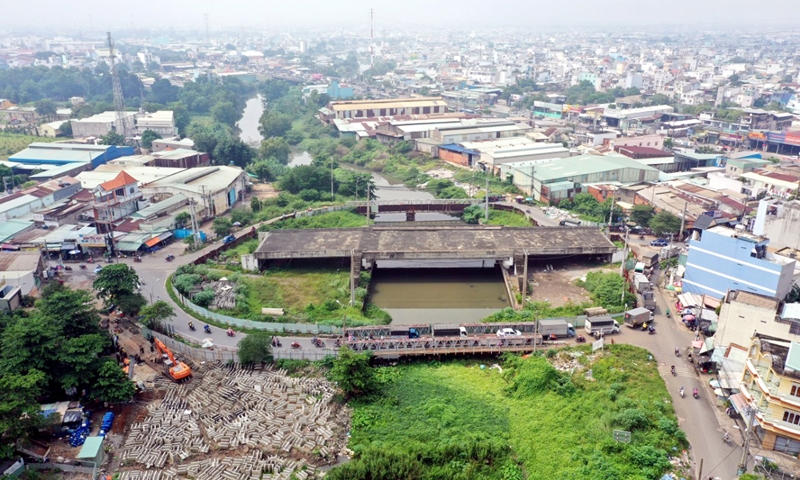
460,419
508,219
338,219
11,143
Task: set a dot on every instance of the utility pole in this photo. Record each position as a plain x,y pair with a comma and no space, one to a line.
486,213
533,170
622,268
746,444
611,214
331,178
524,280
368,204
683,219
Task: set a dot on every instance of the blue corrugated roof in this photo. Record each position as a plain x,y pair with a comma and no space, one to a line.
454,147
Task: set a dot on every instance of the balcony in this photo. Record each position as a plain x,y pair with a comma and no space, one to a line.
787,427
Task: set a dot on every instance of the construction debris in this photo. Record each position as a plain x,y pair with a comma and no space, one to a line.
265,416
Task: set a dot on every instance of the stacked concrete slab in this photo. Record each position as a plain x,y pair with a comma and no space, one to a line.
276,417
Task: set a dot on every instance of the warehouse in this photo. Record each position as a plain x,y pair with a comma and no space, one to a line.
551,181
39,153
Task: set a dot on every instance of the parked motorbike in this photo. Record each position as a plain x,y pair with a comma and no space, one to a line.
296,345
207,329
695,393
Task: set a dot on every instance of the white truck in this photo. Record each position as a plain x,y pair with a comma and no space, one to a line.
555,326
603,324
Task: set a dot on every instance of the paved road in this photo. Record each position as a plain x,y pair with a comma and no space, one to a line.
535,213
699,418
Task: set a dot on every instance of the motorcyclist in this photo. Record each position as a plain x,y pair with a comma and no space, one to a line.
694,392
191,326
207,329
681,391
672,369
677,351
230,332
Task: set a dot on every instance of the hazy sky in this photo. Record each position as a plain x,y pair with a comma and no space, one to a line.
389,15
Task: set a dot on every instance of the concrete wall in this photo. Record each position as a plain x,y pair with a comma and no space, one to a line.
782,228
91,129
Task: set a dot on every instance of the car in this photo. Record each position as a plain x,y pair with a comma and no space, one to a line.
659,242
508,332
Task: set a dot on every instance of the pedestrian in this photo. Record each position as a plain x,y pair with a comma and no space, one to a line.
152,349
612,341
141,349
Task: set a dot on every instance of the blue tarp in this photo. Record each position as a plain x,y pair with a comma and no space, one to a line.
182,233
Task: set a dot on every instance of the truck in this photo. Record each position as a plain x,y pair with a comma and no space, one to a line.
603,324
650,259
647,299
410,332
449,331
637,317
641,282
555,326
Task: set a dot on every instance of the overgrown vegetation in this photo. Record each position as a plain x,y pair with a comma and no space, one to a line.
337,219
314,294
606,290
588,208
508,219
458,420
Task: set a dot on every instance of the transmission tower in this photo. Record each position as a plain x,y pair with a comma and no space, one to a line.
119,104
371,39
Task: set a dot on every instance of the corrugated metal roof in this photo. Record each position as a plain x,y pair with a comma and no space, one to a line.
156,208
583,165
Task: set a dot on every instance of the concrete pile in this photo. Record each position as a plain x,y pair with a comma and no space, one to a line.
266,413
253,466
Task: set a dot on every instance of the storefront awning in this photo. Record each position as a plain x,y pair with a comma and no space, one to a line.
68,246
152,242
739,403
129,246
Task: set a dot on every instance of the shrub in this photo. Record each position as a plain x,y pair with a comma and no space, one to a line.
204,298
631,419
184,283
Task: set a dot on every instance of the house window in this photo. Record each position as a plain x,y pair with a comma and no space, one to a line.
120,192
791,417
795,391
131,191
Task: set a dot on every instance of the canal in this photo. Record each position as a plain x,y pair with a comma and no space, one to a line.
412,291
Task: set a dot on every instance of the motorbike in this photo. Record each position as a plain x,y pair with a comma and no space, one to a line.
137,259
169,257
296,345
651,330
338,343
276,343
580,339
67,268
674,373
641,237
318,343
677,352
695,393
191,326
230,333
90,260
691,360
726,437
681,392
207,329
83,266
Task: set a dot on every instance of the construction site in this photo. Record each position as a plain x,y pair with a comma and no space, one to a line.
232,423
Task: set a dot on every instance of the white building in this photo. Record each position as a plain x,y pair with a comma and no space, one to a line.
99,125
161,122
742,314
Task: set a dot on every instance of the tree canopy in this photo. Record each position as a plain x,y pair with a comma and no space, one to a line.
147,138
642,214
114,281
352,372
256,347
665,223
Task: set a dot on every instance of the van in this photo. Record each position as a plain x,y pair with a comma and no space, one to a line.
602,324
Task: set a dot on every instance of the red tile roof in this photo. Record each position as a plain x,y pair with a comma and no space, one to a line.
119,181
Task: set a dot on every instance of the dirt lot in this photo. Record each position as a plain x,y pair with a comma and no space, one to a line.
264,191
558,286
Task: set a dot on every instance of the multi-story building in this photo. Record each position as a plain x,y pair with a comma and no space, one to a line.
770,387
382,108
722,259
114,200
161,122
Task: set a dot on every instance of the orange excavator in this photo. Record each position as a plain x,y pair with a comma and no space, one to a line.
178,371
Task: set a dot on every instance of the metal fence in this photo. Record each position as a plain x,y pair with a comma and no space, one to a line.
217,353
316,354
274,327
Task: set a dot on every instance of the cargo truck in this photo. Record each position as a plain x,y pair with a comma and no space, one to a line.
649,300
555,326
602,324
637,317
641,282
449,331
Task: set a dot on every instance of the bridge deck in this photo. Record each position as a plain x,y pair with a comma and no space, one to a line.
396,347
426,242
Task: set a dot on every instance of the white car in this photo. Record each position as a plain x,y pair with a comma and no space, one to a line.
508,332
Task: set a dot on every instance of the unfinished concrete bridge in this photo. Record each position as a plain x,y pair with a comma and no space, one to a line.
365,246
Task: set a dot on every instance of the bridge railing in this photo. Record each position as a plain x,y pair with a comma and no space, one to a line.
441,201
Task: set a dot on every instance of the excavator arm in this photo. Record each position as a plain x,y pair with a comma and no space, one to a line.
177,370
